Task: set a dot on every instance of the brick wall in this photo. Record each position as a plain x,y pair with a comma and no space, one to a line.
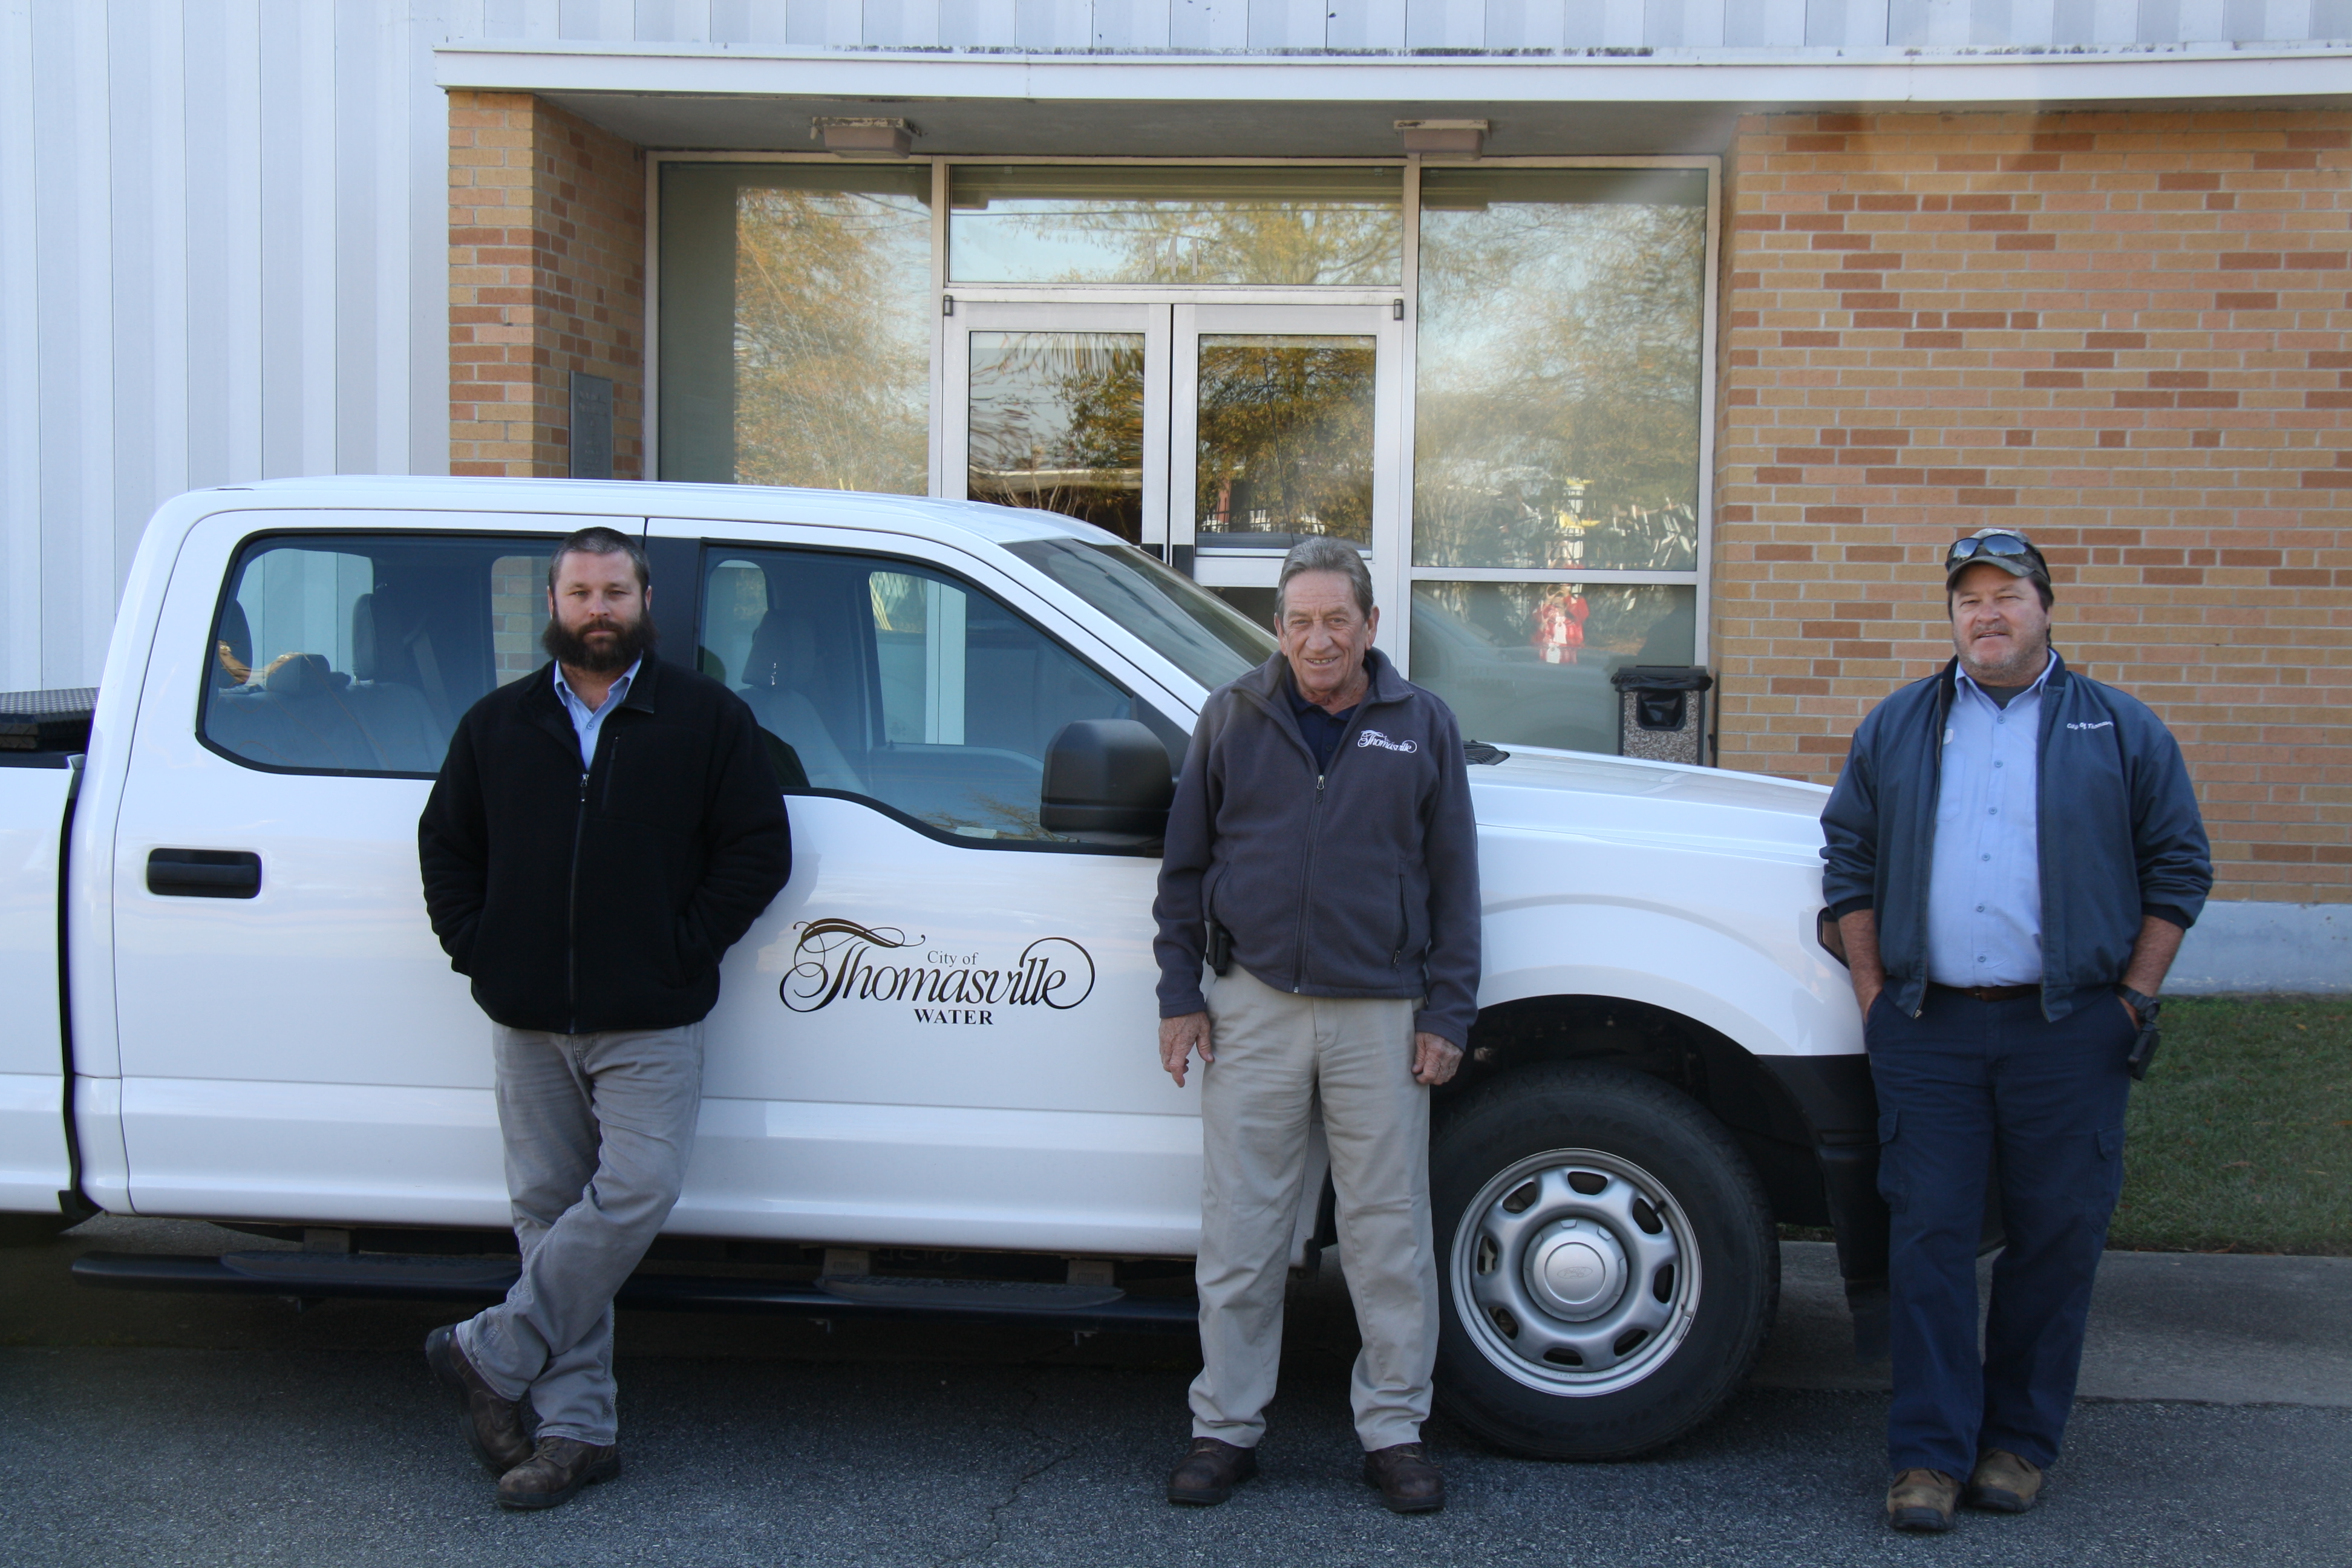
2127,332
547,275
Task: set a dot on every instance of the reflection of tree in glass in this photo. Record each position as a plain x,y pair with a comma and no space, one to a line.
1057,423
1285,435
896,600
1268,242
832,372
1557,420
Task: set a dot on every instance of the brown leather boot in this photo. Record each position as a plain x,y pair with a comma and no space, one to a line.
1409,1483
2004,1483
491,1424
558,1468
1921,1499
1210,1471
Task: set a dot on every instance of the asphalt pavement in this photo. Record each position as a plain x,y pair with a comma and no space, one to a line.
139,1428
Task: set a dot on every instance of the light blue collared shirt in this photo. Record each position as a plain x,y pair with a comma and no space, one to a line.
587,720
1984,880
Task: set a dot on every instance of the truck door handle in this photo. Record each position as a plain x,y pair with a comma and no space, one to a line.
203,873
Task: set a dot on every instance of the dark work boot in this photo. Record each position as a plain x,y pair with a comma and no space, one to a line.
491,1425
2004,1483
1409,1483
1921,1499
558,1468
1210,1471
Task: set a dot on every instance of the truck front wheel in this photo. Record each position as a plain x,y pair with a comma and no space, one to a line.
1607,1262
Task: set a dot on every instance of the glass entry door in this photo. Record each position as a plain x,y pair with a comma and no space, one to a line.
1062,407
1215,436
1287,423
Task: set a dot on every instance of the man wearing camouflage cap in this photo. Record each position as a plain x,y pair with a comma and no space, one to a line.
2014,851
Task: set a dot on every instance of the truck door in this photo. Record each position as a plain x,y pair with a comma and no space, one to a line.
943,1032
294,1044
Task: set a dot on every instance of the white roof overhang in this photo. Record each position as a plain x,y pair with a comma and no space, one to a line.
1337,104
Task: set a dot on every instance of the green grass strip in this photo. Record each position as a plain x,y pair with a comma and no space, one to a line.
2240,1139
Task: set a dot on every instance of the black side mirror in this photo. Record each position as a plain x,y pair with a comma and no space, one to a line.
1107,783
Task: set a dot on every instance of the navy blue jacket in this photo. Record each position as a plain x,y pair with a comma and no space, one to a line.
2120,834
1361,880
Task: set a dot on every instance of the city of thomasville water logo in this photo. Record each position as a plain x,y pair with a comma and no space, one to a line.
841,961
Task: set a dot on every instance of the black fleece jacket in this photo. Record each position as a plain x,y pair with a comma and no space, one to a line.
1360,879
580,901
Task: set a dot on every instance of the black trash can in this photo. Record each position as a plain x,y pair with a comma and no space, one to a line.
1662,712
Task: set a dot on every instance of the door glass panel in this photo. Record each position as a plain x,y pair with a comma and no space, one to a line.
1057,423
1557,415
1529,662
1284,448
357,654
1029,224
796,325
887,680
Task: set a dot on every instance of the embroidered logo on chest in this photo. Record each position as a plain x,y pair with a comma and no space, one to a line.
1374,738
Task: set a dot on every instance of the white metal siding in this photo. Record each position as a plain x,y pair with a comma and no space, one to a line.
223,258
1316,25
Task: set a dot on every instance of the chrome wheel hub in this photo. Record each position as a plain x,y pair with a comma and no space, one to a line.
1575,1272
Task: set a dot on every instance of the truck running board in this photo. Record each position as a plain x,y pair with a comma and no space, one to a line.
316,1276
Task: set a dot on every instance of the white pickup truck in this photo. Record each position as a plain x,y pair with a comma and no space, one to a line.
931,1086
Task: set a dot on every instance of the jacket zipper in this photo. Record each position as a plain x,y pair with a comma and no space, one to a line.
571,916
1404,923
1306,882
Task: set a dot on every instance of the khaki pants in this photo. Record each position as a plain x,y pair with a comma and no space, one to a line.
1277,1055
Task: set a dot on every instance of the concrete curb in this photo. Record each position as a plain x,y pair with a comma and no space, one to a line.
2216,1329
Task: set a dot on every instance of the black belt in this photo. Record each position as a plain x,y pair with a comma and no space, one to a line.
1989,992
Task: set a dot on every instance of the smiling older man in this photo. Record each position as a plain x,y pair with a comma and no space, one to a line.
1321,851
2014,850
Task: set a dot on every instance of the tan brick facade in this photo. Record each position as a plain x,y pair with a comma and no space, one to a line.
547,275
2126,331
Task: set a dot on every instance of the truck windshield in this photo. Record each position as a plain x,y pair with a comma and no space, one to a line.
1183,622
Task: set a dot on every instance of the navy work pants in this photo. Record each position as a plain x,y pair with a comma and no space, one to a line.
1961,1083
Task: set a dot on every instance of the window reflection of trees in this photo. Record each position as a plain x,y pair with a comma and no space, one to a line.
1317,227
1286,437
832,344
1557,419
1301,243
1057,423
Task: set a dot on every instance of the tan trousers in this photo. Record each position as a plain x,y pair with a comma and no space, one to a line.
1277,1055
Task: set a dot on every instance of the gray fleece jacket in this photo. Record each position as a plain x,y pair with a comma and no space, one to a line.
1361,881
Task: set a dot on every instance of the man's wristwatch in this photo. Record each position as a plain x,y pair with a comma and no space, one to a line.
2144,1006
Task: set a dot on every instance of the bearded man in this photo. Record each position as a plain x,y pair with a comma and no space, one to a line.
2013,852
602,832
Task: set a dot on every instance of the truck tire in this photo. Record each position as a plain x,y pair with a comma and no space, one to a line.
1607,1264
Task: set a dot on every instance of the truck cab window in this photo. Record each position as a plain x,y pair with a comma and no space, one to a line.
352,654
885,680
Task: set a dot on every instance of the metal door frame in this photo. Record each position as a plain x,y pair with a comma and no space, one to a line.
1257,568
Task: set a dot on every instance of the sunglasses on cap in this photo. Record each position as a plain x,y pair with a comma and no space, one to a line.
2007,550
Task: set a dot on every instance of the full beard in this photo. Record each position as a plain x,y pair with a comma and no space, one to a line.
632,640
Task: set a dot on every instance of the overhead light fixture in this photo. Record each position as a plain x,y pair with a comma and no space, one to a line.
847,137
1443,138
